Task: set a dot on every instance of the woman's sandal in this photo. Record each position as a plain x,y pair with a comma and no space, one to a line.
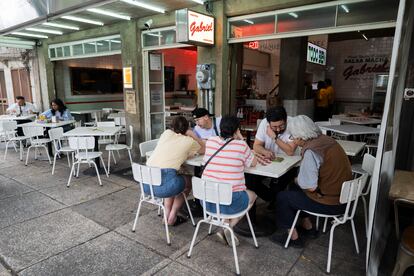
179,220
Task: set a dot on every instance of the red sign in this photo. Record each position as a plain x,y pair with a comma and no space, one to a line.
254,45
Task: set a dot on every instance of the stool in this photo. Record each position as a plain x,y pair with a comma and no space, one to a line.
405,257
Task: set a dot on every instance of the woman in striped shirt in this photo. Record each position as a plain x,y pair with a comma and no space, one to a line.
227,167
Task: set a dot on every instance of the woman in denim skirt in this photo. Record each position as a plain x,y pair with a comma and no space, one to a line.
227,167
174,147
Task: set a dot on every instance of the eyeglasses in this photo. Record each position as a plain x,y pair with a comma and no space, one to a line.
280,127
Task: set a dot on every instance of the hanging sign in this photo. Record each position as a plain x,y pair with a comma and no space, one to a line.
194,28
127,73
316,54
130,102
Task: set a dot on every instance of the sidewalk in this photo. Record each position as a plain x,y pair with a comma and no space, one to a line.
48,229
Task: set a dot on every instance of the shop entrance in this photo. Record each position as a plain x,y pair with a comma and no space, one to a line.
170,87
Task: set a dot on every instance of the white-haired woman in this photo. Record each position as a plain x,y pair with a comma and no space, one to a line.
324,168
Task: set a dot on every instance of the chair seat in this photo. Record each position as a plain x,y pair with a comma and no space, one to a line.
116,147
65,149
105,141
19,138
89,155
226,216
40,141
357,168
323,215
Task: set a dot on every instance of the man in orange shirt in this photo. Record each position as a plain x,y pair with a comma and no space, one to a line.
322,103
331,95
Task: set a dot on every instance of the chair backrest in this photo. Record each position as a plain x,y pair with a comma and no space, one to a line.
368,163
350,193
81,143
105,124
33,131
148,175
8,125
212,192
147,146
55,133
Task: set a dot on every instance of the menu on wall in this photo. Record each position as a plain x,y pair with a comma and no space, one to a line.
155,62
127,73
130,104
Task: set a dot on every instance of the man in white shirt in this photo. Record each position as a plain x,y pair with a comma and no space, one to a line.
272,139
206,124
21,107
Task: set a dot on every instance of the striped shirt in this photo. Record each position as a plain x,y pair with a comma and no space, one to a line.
229,163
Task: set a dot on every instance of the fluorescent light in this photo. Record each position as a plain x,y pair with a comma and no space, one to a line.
97,43
113,41
201,2
293,14
248,21
145,6
84,20
108,13
153,34
63,26
30,35
365,37
44,31
345,8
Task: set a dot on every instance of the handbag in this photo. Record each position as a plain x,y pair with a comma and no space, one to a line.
208,161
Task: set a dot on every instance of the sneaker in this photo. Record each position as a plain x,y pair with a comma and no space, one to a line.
227,234
280,239
221,237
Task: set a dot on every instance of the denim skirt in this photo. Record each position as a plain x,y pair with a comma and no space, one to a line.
172,184
240,201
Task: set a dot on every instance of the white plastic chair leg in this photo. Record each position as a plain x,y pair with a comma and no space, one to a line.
130,157
5,152
188,208
67,156
355,236
166,225
252,230
77,171
109,161
14,146
136,216
210,228
324,225
27,155
328,266
21,150
54,164
365,214
194,238
35,149
317,224
72,172
103,165
113,157
233,243
47,154
97,173
291,229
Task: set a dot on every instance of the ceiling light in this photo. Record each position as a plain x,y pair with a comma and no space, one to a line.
365,37
293,14
44,31
248,21
145,6
199,1
30,35
97,43
108,13
113,41
345,8
84,20
152,34
63,26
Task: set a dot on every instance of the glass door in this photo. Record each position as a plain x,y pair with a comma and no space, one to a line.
154,93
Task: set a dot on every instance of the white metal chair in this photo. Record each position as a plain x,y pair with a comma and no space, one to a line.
147,146
368,165
217,193
152,177
8,134
96,117
106,139
56,135
81,146
33,133
121,121
112,147
350,193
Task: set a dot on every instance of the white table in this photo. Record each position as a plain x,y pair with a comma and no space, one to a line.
82,112
351,129
116,115
92,131
351,148
274,169
17,118
360,120
48,125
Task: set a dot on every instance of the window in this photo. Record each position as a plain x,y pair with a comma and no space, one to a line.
96,81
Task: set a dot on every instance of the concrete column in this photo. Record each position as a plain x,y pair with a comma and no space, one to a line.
292,68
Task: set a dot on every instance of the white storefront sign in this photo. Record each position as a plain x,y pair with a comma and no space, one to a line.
194,28
316,54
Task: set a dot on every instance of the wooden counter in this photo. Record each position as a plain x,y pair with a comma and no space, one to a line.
402,186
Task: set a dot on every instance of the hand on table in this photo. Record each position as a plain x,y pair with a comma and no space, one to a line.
263,160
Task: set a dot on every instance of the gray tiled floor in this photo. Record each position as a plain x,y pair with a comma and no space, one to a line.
48,229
